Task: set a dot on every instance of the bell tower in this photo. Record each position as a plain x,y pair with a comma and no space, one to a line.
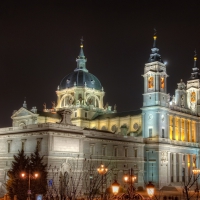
193,89
155,79
155,116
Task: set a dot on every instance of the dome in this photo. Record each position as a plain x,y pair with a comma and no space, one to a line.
80,78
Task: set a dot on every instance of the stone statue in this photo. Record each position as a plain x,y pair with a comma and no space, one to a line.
173,99
90,101
182,101
106,106
168,97
53,104
44,106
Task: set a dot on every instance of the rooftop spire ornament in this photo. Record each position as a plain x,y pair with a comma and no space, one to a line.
195,58
154,37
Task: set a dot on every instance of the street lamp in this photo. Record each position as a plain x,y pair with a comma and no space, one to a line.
115,188
35,175
196,172
150,189
131,193
102,170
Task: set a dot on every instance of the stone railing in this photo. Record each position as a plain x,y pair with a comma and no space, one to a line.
172,142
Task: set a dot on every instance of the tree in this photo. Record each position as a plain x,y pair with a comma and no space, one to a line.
81,178
38,185
15,184
192,183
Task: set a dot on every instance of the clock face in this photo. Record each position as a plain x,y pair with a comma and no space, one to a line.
150,117
163,118
136,126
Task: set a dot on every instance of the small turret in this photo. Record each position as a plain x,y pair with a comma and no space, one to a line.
154,56
81,61
25,104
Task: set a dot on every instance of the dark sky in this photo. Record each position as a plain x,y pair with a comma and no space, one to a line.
39,42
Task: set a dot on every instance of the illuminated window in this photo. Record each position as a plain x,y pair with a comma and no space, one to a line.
162,83
150,82
193,97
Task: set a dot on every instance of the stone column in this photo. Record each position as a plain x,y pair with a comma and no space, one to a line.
168,127
190,130
148,168
174,168
185,131
191,164
145,84
174,128
157,88
186,168
195,133
179,129
180,169
168,168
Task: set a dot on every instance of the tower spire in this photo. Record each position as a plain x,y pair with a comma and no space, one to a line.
195,58
154,56
154,38
195,69
81,60
81,54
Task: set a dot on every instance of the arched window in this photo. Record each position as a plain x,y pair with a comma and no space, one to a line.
67,101
150,82
162,83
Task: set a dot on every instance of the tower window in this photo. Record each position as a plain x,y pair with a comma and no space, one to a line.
150,82
162,82
86,114
163,133
150,132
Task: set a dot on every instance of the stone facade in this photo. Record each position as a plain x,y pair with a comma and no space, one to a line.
160,141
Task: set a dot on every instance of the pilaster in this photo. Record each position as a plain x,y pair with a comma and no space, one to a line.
174,128
174,168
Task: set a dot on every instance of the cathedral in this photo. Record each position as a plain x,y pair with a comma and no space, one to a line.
160,141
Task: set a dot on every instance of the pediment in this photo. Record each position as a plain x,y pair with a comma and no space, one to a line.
22,112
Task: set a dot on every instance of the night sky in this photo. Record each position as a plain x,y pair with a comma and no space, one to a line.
40,41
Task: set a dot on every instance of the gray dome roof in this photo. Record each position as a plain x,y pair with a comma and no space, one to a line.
79,78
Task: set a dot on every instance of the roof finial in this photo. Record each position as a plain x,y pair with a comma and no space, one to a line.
81,42
154,37
195,58
25,104
81,54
